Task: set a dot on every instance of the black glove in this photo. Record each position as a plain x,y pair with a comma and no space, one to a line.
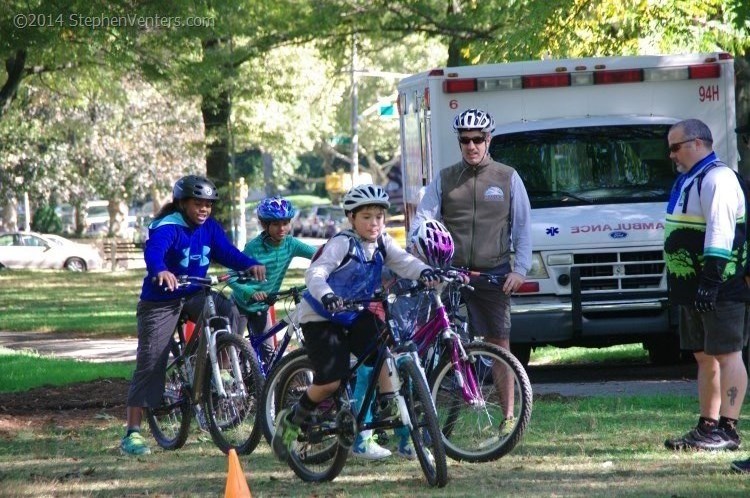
708,288
429,276
332,302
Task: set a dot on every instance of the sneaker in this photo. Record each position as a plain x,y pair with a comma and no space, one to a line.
134,444
226,378
697,440
742,466
286,434
387,407
368,449
507,425
406,449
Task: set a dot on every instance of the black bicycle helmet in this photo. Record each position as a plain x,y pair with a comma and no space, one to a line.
197,187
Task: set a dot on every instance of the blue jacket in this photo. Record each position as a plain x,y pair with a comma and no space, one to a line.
176,246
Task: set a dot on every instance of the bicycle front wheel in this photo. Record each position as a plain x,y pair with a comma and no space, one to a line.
425,432
488,424
232,418
170,422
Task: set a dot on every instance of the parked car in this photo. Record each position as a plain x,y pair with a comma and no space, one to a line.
323,220
31,250
331,222
297,221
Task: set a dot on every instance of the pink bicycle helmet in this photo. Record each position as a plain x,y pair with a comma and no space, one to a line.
434,243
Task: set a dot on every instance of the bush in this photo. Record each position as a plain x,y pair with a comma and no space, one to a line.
45,220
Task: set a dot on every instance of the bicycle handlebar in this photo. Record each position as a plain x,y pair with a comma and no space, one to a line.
272,297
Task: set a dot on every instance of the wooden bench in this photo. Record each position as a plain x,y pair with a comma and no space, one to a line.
122,253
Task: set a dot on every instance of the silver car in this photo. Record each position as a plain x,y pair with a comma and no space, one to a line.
31,250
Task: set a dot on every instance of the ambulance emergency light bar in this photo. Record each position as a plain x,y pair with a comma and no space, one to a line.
582,77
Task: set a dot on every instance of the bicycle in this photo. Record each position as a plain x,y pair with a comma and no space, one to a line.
290,323
470,380
215,375
322,448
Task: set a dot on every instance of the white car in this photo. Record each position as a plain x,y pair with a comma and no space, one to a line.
31,250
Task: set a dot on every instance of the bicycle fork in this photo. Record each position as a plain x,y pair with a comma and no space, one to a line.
465,375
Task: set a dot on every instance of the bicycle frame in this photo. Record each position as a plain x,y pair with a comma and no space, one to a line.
211,326
439,325
292,328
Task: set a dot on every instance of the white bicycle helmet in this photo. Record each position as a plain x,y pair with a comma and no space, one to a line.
434,243
474,119
365,195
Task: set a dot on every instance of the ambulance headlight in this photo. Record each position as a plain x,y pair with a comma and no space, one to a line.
537,267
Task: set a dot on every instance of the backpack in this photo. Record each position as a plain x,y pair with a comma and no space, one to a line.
744,186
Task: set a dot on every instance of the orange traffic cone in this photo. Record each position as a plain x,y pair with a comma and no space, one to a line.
236,483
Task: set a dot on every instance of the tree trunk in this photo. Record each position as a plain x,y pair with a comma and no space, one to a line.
216,111
14,66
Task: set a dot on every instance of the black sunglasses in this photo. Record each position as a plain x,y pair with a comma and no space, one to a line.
476,140
676,146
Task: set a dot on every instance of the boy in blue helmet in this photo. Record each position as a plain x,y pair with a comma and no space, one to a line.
275,248
349,267
183,240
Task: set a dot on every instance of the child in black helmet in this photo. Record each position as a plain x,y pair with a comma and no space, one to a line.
183,240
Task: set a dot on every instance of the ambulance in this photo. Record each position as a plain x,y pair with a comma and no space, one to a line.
589,139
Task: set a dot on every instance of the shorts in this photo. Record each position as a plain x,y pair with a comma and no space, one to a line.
329,346
489,309
722,331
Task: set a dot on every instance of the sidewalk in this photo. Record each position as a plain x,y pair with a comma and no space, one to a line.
96,350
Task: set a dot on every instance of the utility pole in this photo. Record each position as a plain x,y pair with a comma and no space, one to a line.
355,114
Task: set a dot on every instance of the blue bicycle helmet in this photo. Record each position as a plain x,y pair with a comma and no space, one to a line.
275,209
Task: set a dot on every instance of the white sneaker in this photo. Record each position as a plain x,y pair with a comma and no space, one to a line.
368,449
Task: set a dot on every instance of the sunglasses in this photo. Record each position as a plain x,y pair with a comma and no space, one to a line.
676,146
475,140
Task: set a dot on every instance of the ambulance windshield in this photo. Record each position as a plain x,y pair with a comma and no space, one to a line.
590,165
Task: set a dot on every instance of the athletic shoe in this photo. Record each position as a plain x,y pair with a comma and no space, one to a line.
387,407
368,449
507,425
134,444
742,466
698,440
406,449
286,434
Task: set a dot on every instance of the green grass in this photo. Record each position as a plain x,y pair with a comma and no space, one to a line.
626,353
575,447
90,304
25,370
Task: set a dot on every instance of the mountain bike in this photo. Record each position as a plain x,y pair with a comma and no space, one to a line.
482,393
322,448
213,375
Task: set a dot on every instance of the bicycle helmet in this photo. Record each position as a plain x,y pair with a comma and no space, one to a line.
197,187
365,195
433,243
275,209
474,119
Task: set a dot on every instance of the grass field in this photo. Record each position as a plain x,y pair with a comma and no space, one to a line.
597,446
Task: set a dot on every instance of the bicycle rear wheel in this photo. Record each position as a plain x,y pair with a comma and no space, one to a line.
478,431
232,420
425,432
170,422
